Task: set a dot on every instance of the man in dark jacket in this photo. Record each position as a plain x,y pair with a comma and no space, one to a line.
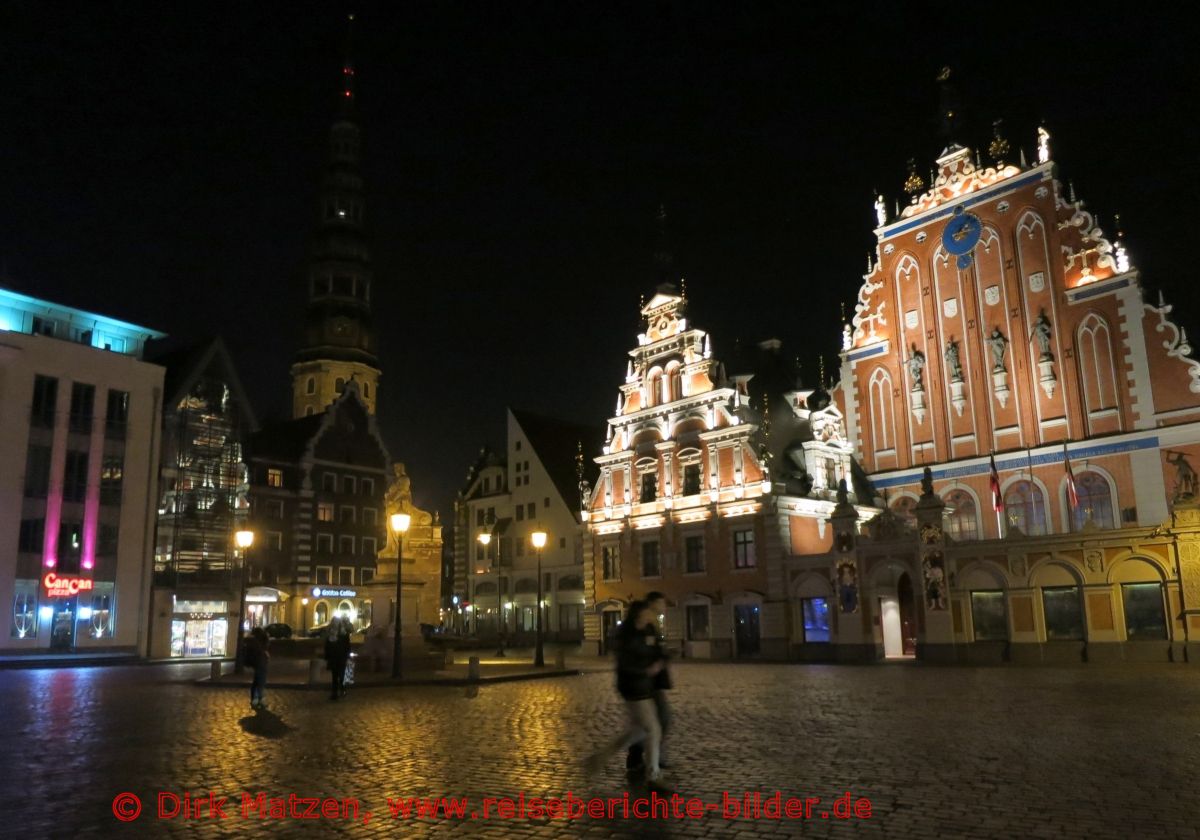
662,684
337,654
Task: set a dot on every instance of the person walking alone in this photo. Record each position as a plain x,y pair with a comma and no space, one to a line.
337,654
638,663
258,657
635,760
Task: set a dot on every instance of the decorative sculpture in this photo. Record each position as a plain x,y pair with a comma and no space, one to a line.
927,482
1041,334
880,211
997,343
1043,145
953,362
915,365
1185,476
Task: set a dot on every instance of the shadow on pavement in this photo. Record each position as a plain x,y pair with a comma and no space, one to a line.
265,724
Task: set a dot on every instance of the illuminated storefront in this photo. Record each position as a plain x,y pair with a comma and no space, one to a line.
200,628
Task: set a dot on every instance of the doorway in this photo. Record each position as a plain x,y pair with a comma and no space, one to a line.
62,628
609,619
746,632
908,615
889,618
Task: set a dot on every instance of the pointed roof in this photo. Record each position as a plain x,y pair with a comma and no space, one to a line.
187,363
556,443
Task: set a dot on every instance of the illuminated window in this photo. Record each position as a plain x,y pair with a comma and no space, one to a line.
321,613
111,474
743,549
274,477
611,562
961,520
24,612
815,613
1095,500
1026,508
324,511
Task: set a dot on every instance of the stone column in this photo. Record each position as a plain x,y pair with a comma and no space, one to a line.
936,644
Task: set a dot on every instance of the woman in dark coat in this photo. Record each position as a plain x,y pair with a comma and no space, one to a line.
638,663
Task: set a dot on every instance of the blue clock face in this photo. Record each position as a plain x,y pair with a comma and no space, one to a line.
961,235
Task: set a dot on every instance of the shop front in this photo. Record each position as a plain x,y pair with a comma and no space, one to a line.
265,606
199,628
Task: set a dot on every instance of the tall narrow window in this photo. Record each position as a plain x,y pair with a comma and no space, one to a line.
743,549
83,403
611,562
649,488
310,387
691,479
75,476
883,430
694,551
45,400
1096,368
111,479
37,472
651,564
116,415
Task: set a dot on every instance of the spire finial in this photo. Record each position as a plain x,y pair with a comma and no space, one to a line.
1071,191
998,148
347,94
662,254
913,183
683,287
821,362
948,107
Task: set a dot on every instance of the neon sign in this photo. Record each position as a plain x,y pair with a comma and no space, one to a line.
65,587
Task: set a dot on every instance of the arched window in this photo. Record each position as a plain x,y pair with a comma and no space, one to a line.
883,432
672,384
1095,500
905,507
339,385
320,613
1096,369
1025,507
310,387
962,520
653,387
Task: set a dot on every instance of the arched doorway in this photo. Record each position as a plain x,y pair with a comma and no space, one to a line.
896,605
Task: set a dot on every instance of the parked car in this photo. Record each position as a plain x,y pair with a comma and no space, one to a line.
279,631
317,632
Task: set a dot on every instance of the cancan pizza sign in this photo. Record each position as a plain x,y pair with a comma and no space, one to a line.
65,587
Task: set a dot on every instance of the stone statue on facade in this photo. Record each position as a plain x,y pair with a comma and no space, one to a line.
927,482
1185,476
1041,334
997,343
953,362
843,493
880,211
915,365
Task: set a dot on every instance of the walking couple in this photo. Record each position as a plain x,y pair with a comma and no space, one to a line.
642,681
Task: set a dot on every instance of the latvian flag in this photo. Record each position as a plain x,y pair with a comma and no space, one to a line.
994,480
1072,496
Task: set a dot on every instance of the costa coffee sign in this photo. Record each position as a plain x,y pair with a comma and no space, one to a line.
57,586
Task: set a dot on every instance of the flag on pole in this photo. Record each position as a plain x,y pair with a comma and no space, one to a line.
994,480
1072,496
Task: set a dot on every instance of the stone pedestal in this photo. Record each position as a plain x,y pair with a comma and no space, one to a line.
1000,386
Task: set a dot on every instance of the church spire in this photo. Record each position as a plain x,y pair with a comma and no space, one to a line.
664,262
339,340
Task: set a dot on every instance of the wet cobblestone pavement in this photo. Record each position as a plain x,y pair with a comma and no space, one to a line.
938,752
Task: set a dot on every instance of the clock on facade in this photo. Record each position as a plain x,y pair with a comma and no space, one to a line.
961,235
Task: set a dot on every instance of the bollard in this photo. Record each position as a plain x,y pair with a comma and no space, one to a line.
315,669
216,670
473,669
560,659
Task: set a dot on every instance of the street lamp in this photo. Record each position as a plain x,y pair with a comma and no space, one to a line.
243,540
400,523
539,542
485,539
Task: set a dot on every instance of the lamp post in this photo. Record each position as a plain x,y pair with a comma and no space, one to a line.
243,540
485,539
539,542
400,523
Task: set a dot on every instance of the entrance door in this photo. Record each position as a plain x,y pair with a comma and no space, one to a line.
889,613
62,629
908,615
608,628
745,618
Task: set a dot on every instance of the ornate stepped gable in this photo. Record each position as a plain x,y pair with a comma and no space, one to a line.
994,308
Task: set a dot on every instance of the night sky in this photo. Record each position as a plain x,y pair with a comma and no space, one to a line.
159,162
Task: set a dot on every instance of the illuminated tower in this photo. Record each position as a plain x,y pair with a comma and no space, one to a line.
339,337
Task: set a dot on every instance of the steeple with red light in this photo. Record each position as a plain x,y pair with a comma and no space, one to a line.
340,341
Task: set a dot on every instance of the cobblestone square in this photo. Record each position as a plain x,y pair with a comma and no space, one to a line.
938,752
